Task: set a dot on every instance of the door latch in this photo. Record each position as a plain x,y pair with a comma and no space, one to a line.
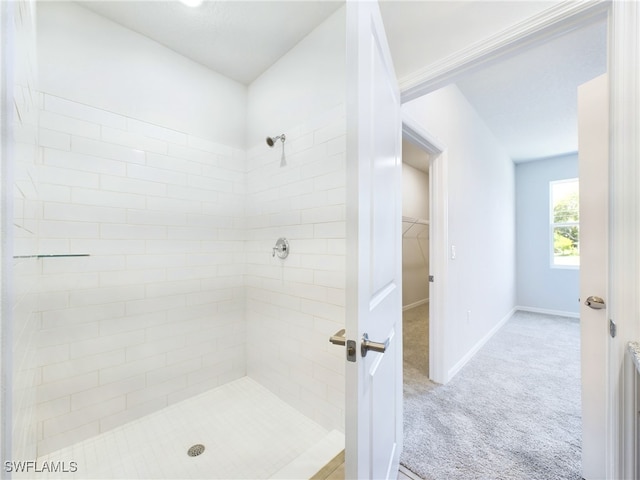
612,329
339,338
351,350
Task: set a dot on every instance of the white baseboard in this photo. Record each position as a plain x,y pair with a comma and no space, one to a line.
469,355
415,304
548,312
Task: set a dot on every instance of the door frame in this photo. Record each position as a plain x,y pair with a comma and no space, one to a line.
7,73
624,212
413,132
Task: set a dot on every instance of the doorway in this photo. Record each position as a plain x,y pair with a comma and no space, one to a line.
415,260
479,340
425,234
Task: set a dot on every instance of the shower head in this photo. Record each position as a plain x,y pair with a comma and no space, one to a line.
271,141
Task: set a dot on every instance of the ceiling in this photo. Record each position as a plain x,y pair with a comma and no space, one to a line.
239,39
528,101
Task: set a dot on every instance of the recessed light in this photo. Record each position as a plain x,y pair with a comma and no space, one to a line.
192,3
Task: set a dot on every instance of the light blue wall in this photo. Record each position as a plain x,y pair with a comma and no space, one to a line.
538,285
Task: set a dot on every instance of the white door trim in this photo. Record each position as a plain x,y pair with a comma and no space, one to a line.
7,81
416,134
624,232
550,23
438,241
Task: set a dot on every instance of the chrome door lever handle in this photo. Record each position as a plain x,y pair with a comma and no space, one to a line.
594,302
367,345
338,338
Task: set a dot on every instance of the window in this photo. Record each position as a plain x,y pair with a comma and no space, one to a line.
565,223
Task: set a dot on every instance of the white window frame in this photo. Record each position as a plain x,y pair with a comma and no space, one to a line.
553,225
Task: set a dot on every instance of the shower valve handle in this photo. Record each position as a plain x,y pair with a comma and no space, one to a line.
281,248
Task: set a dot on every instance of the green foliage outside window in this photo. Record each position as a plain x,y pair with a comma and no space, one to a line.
565,223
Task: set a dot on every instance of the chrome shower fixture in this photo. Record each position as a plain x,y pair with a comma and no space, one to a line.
271,141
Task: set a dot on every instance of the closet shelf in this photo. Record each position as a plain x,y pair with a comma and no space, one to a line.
420,221
409,224
53,255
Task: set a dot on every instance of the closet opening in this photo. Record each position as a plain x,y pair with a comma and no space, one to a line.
415,260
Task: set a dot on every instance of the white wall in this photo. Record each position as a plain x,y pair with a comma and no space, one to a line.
130,174
415,181
110,67
481,216
309,79
415,238
539,285
294,305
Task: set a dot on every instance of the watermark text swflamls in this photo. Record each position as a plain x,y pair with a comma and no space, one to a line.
33,466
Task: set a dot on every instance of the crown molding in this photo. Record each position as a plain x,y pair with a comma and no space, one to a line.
555,21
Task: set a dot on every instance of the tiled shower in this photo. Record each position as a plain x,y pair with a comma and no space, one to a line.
143,269
155,313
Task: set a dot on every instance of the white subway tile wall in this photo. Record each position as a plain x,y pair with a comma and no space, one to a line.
155,313
22,299
179,292
294,305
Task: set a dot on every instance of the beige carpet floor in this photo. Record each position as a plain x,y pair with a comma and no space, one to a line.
512,413
415,337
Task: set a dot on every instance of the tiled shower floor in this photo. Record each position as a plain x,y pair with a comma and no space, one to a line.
247,431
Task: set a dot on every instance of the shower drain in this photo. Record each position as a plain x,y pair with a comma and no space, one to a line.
195,450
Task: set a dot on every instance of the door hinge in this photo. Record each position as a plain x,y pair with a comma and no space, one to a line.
612,329
431,278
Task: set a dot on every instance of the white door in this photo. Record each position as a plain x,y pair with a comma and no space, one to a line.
593,147
374,255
